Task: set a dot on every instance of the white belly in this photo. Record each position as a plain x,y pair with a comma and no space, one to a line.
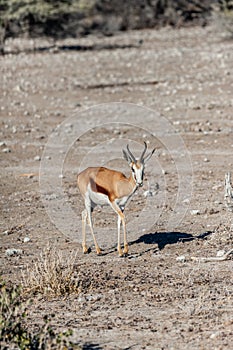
102,199
98,198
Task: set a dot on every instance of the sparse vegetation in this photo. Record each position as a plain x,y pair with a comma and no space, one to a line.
149,299
225,16
72,18
36,17
52,274
14,333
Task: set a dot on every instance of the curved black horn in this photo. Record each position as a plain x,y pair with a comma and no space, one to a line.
131,154
144,151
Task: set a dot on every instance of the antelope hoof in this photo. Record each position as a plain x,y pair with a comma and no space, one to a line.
98,251
126,249
85,249
120,252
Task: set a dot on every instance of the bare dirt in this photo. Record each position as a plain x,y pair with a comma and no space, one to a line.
149,299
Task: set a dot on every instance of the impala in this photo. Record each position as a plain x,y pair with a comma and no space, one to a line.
103,186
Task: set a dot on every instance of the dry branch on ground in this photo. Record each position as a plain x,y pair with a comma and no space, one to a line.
213,258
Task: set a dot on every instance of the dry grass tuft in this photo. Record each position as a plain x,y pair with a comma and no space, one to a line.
52,274
223,16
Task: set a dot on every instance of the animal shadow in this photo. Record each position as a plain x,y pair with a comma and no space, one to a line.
90,346
164,238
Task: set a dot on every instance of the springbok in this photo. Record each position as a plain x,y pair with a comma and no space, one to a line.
103,186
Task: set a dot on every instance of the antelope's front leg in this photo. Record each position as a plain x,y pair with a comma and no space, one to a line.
120,252
121,219
126,246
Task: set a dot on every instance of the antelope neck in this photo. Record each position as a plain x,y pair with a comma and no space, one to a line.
132,180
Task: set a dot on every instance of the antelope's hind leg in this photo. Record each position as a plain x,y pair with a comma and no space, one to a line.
89,212
121,220
84,221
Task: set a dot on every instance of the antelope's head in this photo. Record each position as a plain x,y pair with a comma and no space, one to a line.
137,165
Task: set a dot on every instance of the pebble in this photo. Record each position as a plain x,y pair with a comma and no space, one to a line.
37,158
181,258
148,193
11,252
220,252
195,212
186,200
2,143
214,335
26,239
6,150
94,297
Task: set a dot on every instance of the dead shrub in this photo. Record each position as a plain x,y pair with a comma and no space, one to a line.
52,274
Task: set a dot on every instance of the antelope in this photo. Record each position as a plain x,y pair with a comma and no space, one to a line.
103,186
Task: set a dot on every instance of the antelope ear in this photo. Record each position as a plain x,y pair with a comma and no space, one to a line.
148,156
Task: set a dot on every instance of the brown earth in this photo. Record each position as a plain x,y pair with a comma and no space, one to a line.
149,299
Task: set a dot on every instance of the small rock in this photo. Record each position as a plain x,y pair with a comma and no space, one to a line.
18,88
186,200
214,335
206,160
216,187
94,297
213,211
148,193
81,299
7,232
11,252
6,150
2,143
69,125
195,212
26,239
220,252
37,158
181,258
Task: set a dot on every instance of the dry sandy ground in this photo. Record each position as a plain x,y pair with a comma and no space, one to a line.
58,115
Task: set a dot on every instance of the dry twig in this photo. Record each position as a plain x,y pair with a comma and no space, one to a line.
29,175
213,258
